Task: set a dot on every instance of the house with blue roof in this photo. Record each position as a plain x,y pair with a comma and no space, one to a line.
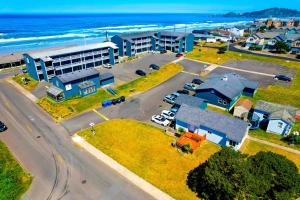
225,90
275,118
218,128
79,83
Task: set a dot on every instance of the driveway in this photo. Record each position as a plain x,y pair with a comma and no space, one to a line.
125,72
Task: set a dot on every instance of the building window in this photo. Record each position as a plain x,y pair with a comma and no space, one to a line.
220,101
232,143
68,87
280,124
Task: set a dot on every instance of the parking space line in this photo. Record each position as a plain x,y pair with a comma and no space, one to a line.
232,68
101,115
194,74
247,71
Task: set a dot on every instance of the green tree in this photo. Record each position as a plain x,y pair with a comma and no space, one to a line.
277,177
231,175
281,47
221,177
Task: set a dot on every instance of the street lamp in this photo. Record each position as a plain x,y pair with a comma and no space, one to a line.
92,126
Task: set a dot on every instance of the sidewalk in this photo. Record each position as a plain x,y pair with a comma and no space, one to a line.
133,178
26,93
274,145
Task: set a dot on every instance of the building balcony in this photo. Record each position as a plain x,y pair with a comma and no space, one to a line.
75,57
65,58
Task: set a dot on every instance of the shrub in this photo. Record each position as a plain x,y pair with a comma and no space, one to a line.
222,50
186,148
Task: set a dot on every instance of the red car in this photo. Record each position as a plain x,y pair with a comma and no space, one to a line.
179,55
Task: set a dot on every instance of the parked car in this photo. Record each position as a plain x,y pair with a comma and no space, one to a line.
171,98
183,92
160,120
197,81
179,55
154,66
140,72
168,115
283,78
107,66
190,86
163,51
175,109
3,127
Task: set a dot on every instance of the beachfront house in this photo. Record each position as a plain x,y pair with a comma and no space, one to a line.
79,83
45,65
275,118
225,90
218,128
135,43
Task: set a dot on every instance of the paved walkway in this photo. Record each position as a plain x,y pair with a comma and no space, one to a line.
274,145
26,93
136,180
214,66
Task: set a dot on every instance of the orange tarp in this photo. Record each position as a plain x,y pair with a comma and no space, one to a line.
190,138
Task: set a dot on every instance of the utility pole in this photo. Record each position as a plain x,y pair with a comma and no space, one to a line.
106,36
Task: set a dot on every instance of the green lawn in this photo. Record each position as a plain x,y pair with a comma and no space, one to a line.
252,147
30,86
274,138
13,180
77,104
147,151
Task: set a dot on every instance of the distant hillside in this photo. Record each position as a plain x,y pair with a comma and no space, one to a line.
271,12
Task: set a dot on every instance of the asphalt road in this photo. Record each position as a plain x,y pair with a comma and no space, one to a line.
233,48
60,169
10,73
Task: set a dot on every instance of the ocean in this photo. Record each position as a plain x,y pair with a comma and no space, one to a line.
19,33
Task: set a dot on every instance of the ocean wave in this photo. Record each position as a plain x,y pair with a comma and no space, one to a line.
127,26
69,35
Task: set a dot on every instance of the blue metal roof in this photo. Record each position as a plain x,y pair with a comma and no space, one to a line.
230,84
235,129
69,77
189,100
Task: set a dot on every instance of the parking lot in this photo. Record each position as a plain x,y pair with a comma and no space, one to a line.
125,72
260,67
192,66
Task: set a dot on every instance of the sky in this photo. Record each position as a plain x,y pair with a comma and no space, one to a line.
141,6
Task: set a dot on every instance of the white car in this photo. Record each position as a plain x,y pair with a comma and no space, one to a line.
159,119
168,115
107,66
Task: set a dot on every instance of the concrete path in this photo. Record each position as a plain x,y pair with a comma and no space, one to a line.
214,66
133,178
274,145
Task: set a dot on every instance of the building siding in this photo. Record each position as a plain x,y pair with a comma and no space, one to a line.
278,127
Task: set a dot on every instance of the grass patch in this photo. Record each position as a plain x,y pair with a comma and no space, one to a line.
209,44
13,180
274,138
56,110
211,55
147,151
30,86
76,105
252,147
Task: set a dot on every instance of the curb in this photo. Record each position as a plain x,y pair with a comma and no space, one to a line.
132,177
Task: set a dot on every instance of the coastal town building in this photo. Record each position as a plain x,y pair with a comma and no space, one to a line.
225,90
135,43
45,65
216,127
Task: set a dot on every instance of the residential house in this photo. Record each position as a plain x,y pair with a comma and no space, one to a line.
293,40
262,40
135,43
45,65
79,83
190,101
242,109
218,128
276,118
236,32
225,90
206,38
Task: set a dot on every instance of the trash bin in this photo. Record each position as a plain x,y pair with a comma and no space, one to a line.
104,104
109,102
